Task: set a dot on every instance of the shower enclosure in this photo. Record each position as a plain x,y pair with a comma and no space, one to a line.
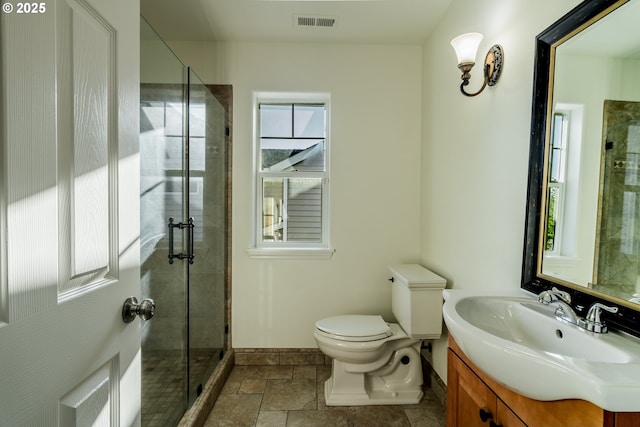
183,204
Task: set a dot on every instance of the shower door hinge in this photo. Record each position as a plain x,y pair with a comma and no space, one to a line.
189,255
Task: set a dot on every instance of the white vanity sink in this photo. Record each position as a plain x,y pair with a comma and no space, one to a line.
520,343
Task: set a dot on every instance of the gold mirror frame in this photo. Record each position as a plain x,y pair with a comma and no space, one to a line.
533,279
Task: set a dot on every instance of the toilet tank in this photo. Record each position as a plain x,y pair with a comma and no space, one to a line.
416,300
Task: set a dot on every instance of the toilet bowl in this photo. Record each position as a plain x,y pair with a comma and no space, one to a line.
378,363
381,369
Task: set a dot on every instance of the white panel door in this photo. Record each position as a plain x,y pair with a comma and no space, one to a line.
69,216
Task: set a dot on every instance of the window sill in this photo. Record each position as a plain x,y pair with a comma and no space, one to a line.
290,253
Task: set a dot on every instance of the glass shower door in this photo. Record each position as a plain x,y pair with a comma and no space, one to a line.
183,161
162,148
207,207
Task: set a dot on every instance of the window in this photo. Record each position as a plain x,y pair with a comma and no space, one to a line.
292,173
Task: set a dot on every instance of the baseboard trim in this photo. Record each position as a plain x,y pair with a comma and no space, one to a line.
280,356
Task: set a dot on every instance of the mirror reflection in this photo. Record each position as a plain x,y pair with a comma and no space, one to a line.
591,209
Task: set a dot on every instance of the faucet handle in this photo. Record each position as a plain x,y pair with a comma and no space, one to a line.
596,310
553,294
593,322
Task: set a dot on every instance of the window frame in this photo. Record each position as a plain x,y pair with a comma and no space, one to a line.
290,249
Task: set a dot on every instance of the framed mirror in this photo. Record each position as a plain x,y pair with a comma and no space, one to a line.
582,230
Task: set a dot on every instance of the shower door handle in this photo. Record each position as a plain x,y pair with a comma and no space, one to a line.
189,255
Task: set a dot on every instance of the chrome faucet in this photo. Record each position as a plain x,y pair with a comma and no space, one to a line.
562,301
554,294
592,322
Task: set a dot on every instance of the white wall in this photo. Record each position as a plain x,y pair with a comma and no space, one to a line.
469,170
475,151
374,195
157,64
630,89
201,56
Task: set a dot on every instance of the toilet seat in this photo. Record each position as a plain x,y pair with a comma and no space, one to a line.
354,327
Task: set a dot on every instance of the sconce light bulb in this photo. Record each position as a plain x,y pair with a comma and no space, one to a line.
466,47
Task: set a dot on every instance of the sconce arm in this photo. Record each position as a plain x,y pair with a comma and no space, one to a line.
465,82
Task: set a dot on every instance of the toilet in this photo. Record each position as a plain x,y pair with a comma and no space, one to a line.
376,362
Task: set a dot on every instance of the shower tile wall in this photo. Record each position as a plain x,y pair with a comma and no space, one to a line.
619,229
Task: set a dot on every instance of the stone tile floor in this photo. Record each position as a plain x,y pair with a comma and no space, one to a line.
270,396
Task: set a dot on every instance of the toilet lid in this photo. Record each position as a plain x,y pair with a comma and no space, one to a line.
372,327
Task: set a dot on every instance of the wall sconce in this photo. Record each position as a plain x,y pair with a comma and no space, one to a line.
466,47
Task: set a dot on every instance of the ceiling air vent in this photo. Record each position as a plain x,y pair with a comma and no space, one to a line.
307,21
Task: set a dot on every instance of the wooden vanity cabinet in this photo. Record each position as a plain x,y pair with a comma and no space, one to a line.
470,402
475,400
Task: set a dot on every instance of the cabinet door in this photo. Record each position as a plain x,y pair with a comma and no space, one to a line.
506,417
470,402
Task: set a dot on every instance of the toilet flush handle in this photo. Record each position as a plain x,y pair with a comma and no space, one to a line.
392,279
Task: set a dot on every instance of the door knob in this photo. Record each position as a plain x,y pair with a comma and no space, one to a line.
131,309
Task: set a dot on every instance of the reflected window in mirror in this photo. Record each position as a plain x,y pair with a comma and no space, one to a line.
555,189
563,187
